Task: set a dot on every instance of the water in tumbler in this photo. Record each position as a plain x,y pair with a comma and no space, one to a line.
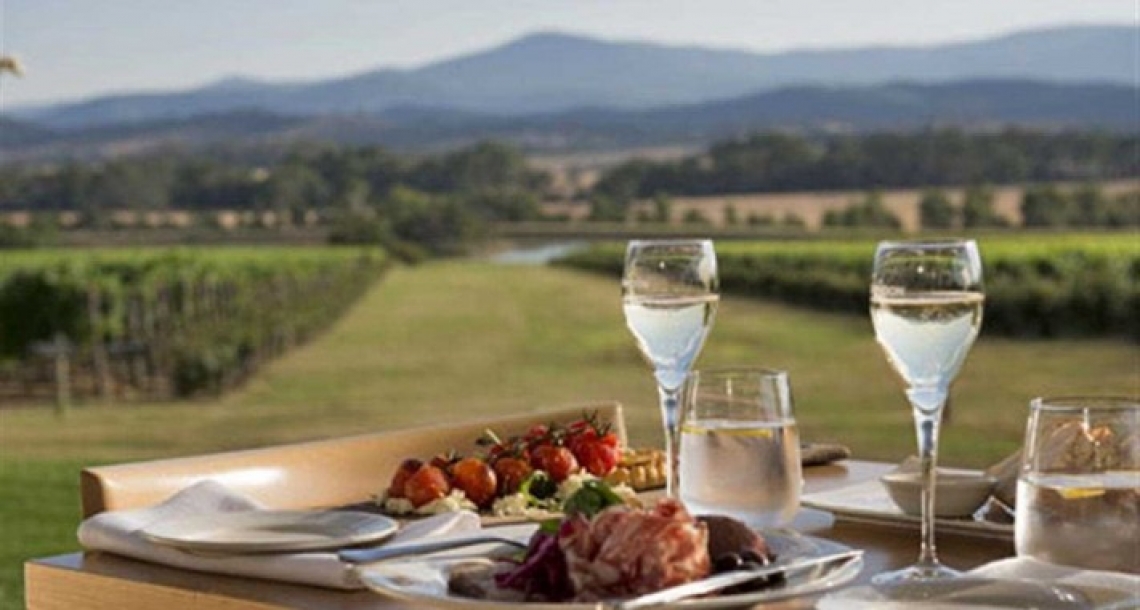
1086,520
747,470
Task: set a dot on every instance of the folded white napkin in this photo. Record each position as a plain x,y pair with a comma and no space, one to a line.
120,532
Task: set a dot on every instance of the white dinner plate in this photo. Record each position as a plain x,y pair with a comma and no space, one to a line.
423,580
266,531
869,502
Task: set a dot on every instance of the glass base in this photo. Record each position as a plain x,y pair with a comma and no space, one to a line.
916,582
964,592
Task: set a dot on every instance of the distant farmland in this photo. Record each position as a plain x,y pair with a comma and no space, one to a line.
810,207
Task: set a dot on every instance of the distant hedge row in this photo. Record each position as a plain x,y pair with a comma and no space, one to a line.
1036,285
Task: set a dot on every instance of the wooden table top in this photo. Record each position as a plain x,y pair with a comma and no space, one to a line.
100,581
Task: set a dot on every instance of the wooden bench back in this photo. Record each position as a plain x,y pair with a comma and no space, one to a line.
334,472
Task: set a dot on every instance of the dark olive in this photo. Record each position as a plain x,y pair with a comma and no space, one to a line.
753,556
726,563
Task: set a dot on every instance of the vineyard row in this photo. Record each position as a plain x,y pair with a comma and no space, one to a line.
157,323
1036,286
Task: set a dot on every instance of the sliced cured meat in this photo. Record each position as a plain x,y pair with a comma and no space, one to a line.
624,552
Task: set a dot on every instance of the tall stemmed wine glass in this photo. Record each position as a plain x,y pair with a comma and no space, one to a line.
926,306
670,296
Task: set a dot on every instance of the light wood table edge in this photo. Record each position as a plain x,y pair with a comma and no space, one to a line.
52,585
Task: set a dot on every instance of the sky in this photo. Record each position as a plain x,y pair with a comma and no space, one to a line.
76,49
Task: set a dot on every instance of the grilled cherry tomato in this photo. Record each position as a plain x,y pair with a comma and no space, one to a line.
558,462
476,479
426,484
511,471
407,468
598,458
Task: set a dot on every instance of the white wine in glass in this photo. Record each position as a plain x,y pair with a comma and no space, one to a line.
670,296
926,307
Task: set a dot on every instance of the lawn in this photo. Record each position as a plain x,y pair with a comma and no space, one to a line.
456,340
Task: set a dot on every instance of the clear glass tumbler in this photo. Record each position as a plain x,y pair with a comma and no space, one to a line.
1078,492
740,448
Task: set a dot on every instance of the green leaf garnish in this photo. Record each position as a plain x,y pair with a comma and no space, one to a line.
592,498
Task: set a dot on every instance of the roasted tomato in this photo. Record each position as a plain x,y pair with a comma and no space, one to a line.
426,484
407,468
558,462
598,458
511,471
476,479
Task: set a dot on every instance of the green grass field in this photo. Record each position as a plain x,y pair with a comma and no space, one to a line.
456,340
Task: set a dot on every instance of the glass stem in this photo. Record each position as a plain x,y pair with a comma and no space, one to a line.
927,404
670,414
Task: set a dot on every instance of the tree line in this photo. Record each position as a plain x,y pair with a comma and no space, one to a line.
1044,206
369,194
777,162
365,194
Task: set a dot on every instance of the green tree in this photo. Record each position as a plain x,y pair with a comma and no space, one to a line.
731,216
503,204
870,212
439,223
130,184
794,221
693,216
606,209
760,220
624,183
1125,210
1090,208
978,208
662,208
935,210
1045,206
292,189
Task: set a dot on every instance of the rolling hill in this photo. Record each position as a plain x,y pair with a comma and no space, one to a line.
977,104
555,72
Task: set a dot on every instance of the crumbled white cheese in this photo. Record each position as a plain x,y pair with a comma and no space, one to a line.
572,484
514,505
627,494
452,502
455,501
397,506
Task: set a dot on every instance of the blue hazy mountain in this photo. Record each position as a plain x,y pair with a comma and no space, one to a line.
549,73
974,104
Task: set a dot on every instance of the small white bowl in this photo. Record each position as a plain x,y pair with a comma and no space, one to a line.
955,495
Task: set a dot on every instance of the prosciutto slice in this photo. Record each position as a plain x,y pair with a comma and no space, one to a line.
624,552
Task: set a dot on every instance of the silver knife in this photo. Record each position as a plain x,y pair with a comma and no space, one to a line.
427,545
729,579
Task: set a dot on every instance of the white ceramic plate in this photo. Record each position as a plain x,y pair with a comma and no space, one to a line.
423,580
267,531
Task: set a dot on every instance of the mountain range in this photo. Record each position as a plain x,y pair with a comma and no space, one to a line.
560,90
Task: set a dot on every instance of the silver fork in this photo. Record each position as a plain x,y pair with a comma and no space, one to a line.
381,553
